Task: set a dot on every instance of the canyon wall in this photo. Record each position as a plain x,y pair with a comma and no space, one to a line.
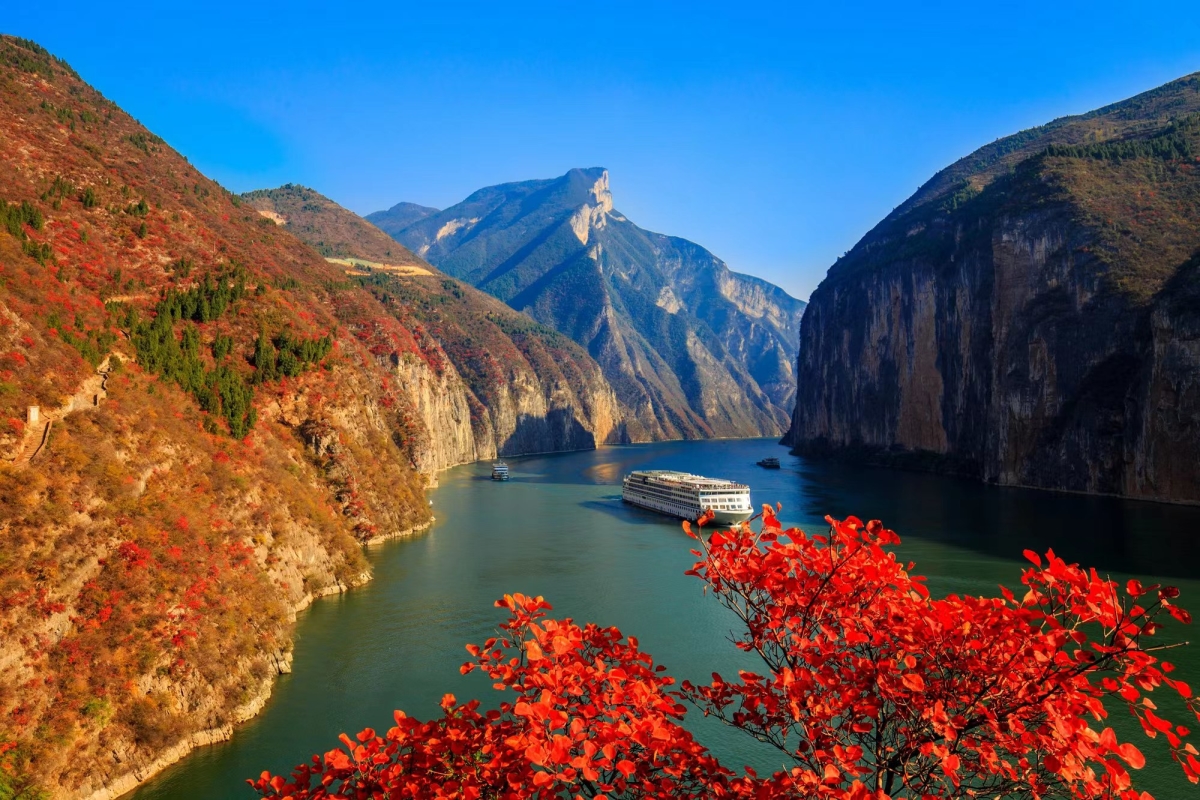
1034,324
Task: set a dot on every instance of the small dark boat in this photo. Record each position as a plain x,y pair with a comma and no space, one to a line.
769,463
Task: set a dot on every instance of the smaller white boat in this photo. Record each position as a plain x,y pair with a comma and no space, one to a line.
499,471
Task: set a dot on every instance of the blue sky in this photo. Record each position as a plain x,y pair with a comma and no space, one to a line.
775,135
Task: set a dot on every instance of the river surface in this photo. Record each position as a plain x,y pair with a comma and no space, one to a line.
559,529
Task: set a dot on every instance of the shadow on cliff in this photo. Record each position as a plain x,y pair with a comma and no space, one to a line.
558,431
1108,533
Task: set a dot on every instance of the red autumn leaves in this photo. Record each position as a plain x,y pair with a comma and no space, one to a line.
870,688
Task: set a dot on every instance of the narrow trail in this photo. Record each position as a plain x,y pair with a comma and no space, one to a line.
86,397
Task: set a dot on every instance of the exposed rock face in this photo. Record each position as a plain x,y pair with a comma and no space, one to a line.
690,348
526,413
489,381
1030,316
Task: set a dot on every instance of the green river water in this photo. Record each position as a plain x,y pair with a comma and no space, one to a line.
559,529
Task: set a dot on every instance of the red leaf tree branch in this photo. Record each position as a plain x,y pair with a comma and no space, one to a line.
871,687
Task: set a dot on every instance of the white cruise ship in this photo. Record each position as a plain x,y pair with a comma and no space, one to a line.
681,494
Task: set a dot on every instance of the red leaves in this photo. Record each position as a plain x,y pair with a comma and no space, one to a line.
624,740
1133,757
133,554
1179,614
867,678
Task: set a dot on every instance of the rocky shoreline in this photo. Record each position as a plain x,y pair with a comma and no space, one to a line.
136,776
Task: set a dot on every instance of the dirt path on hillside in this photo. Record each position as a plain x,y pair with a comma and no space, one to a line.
89,394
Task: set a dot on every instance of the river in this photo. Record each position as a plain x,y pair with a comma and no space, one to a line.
559,529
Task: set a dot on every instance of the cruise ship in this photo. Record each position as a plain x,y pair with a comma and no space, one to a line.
687,496
499,471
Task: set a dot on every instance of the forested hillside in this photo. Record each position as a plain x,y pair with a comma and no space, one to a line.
223,419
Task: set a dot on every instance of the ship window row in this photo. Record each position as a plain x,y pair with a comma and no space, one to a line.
667,498
665,493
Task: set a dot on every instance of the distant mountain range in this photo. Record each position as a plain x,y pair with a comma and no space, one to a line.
1031,316
399,217
691,348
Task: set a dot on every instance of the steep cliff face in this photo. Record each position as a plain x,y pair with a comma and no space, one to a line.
211,447
485,380
1029,316
690,348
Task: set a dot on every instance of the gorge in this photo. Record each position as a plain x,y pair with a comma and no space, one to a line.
212,404
233,396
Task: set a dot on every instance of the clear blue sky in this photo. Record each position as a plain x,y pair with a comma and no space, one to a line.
774,135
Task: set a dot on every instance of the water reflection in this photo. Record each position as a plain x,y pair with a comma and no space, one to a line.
1105,532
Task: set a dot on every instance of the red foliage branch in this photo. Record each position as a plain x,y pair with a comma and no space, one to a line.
872,688
869,679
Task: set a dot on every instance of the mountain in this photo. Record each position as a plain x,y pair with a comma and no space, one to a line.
510,385
691,348
399,217
1029,316
202,422
318,221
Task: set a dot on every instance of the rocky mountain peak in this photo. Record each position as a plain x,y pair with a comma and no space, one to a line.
687,354
593,214
601,195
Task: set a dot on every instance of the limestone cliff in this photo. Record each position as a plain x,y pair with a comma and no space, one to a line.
1029,316
485,380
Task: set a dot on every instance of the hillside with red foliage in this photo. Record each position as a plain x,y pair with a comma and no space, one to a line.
528,387
164,520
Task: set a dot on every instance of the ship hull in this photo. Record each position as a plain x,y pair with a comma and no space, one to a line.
730,517
690,514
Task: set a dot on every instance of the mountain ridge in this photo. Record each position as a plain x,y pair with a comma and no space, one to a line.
399,216
502,356
661,314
